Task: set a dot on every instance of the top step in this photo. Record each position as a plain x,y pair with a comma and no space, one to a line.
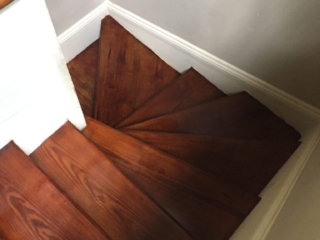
186,91
129,74
31,207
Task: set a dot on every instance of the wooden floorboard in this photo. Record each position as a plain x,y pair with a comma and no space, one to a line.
186,91
83,71
238,116
92,181
186,193
129,74
247,164
31,207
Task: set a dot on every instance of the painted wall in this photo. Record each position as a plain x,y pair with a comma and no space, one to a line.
65,13
36,92
278,41
300,216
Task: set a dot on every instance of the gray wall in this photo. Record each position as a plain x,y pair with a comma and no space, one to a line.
276,40
65,13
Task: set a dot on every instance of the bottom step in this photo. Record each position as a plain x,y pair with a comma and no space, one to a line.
91,180
31,207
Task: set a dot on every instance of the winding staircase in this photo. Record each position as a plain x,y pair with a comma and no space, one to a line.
164,155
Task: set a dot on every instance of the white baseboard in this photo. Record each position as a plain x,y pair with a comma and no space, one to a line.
182,55
79,36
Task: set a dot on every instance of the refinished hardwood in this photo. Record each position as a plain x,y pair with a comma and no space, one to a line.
247,164
186,91
206,207
238,116
128,74
83,71
31,207
92,181
4,3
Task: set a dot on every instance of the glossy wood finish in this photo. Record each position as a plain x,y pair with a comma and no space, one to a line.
83,71
128,74
186,91
206,207
92,181
31,207
238,116
247,164
4,3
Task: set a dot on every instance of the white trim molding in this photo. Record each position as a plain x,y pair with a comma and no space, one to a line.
182,45
182,55
79,36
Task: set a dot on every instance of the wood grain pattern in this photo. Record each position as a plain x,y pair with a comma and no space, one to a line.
247,164
128,74
172,182
32,208
83,71
4,3
101,190
238,116
185,91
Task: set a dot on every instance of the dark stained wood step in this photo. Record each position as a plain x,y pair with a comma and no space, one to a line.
206,207
238,116
248,164
92,181
128,74
83,71
186,91
31,207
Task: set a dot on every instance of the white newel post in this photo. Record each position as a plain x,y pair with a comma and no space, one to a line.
36,92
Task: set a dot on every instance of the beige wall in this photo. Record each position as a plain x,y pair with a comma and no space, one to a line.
276,40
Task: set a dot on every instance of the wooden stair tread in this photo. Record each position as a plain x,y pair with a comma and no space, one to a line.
186,91
4,3
237,116
128,74
168,180
92,181
31,207
247,164
83,71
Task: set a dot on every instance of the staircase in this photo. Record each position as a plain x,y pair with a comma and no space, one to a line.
163,156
